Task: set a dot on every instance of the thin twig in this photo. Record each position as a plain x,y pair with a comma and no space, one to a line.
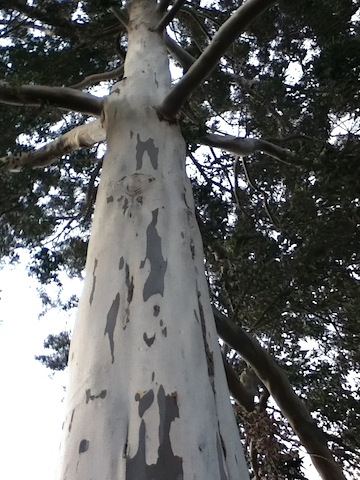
99,77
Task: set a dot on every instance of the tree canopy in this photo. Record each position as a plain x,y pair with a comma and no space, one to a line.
268,102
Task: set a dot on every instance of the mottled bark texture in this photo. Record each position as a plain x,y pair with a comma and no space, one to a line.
147,397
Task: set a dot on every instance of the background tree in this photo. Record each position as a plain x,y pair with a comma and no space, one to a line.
277,205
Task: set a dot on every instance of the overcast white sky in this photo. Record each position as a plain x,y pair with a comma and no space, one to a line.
31,402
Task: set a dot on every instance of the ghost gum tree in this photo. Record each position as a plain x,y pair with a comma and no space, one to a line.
147,396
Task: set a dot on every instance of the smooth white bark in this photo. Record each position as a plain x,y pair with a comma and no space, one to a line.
148,397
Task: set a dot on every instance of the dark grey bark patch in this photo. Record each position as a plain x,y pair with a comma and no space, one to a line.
192,248
155,282
164,332
84,446
129,281
168,465
109,199
209,354
121,263
111,323
71,420
94,282
90,396
149,147
149,340
223,475
153,376
156,310
126,205
222,443
145,401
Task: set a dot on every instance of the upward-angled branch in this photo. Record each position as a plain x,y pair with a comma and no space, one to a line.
277,383
63,97
84,136
180,54
169,16
225,36
99,77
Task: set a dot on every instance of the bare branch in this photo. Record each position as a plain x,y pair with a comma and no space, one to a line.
99,77
237,389
57,21
120,16
63,97
279,387
163,6
84,136
179,53
247,146
225,36
169,15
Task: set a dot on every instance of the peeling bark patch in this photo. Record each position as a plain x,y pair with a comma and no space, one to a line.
71,420
156,82
129,281
223,475
192,248
168,465
89,396
149,340
94,282
110,199
208,353
155,281
84,445
111,323
121,263
222,443
126,205
145,400
149,147
156,310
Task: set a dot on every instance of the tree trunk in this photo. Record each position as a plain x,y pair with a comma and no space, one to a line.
147,397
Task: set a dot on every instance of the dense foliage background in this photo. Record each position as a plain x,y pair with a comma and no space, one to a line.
281,238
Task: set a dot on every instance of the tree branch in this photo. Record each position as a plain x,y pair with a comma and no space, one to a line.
279,387
246,146
120,16
84,136
99,77
56,21
179,53
169,16
63,97
226,34
237,389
